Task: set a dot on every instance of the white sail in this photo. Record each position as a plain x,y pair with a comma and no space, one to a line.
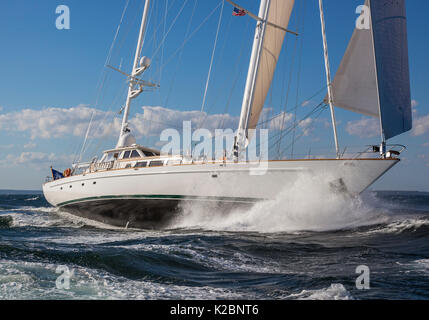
355,83
373,78
279,15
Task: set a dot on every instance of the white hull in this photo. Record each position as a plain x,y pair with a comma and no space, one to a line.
109,196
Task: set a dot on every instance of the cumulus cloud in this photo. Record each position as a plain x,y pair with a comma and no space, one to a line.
151,121
50,122
30,145
364,128
59,122
155,119
35,159
278,123
306,126
420,125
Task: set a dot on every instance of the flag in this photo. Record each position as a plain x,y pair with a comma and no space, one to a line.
56,174
238,12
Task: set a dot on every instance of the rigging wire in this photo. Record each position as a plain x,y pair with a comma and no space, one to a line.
171,26
299,70
122,90
213,54
179,60
191,36
102,82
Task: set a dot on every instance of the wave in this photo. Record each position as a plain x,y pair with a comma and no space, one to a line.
334,292
307,206
32,199
34,280
399,226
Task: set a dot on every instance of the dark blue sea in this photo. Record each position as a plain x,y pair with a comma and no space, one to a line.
301,247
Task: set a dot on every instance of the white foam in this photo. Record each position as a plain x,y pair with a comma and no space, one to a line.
308,206
32,199
336,291
30,280
400,225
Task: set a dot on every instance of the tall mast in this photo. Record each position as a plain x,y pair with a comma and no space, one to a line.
137,70
328,78
241,137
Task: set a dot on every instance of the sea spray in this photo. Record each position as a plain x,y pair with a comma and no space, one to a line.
310,205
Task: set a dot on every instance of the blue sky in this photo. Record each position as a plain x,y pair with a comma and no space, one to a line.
50,80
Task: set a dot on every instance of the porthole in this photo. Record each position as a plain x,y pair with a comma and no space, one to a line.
83,184
71,186
94,182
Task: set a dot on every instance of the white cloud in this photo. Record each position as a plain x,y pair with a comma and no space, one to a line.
364,128
35,159
306,126
59,122
30,145
155,119
306,103
50,122
420,126
280,122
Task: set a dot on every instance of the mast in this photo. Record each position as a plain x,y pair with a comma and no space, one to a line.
241,137
137,70
383,137
328,79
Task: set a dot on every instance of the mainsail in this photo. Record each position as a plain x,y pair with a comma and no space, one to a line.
273,20
279,15
373,77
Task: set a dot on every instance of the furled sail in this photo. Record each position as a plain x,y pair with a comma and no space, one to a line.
278,15
373,77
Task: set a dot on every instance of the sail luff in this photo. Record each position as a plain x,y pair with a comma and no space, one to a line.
269,36
242,133
279,14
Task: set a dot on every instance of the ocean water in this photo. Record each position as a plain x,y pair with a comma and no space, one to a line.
305,245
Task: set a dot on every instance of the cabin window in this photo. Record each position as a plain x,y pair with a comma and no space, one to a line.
128,166
126,155
141,165
148,154
156,164
135,154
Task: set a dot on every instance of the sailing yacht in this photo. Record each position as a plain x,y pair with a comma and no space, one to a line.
135,186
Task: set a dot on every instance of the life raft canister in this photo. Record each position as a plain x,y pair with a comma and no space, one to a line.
67,173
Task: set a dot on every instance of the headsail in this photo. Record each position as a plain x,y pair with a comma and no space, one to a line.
279,14
391,51
373,77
